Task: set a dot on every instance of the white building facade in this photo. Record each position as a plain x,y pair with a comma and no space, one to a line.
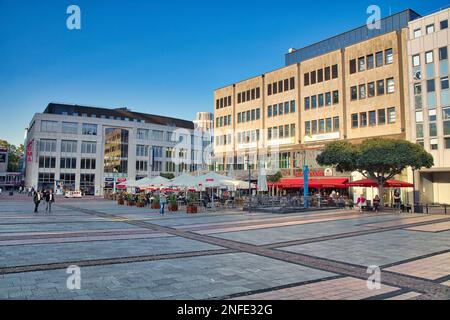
93,149
428,62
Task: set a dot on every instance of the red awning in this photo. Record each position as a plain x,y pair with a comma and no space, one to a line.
388,184
323,183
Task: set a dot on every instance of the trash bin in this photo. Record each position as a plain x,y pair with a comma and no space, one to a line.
418,208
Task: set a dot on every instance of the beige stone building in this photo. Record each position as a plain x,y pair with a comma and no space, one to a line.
351,86
429,108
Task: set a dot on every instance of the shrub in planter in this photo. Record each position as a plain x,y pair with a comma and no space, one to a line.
155,203
191,200
140,201
120,200
173,206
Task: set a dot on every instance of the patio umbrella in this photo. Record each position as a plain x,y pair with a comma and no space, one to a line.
183,181
388,184
262,180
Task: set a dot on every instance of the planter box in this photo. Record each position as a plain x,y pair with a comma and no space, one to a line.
140,204
191,209
155,206
172,208
120,202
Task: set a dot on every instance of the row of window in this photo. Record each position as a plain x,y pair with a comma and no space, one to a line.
281,108
364,91
223,140
67,146
281,86
156,135
281,132
322,126
323,99
249,115
321,75
85,115
371,61
249,95
430,28
223,102
434,143
66,163
374,117
68,127
248,136
223,121
429,57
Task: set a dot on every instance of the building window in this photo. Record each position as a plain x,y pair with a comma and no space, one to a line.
307,101
47,162
417,33
390,85
280,109
321,125
141,151
142,134
68,163
328,99
355,120
389,56
336,124
419,130
392,116
354,93
444,24
430,28
306,79
328,73
447,143
313,77
314,127
328,125
293,130
335,97
88,147
47,145
429,57
433,144
70,127
68,146
416,60
293,106
444,83
381,116
432,115
443,54
89,129
363,119
307,128
49,126
334,71
370,62
141,165
372,118
371,89
321,101
379,59
431,85
380,87
362,91
87,163
313,102
352,66
361,64
433,130
320,75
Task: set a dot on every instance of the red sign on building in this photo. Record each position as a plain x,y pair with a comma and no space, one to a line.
30,151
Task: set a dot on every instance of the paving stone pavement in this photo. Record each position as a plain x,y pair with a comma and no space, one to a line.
133,253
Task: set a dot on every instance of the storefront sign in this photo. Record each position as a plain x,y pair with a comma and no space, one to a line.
120,180
323,136
30,151
312,173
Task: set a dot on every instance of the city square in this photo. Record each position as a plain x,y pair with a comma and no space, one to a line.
135,253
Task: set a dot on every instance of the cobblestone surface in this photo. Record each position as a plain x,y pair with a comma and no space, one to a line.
133,253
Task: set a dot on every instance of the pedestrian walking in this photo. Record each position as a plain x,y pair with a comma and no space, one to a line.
397,201
37,199
162,202
49,199
361,203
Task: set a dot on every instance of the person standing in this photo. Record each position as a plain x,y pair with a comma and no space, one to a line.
376,203
49,199
162,202
361,202
37,199
397,201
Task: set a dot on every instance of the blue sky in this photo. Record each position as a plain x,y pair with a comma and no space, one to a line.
162,57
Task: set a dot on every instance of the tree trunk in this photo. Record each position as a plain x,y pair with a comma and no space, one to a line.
381,193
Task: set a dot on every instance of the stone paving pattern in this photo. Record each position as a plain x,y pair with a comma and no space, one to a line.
135,253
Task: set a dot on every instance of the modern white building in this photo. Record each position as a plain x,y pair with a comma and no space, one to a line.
428,49
93,149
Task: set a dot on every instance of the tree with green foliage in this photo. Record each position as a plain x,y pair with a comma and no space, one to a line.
275,177
167,175
376,159
14,155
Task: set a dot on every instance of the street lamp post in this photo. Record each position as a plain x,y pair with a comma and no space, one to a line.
249,185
